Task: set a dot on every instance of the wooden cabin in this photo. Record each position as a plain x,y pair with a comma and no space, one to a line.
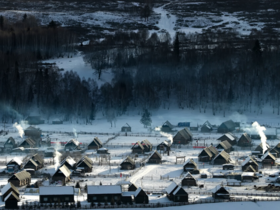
222,158
249,168
53,194
71,145
180,195
245,140
208,154
11,201
27,143
69,162
132,187
259,148
170,189
104,193
167,127
191,166
39,160
126,128
155,158
148,147
9,144
228,137
268,160
14,165
183,136
20,179
31,166
95,144
228,167
227,126
248,176
164,146
249,161
137,148
220,192
140,196
127,164
62,175
127,197
224,145
7,189
84,165
206,127
189,180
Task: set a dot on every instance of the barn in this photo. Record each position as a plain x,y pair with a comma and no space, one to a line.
53,194
228,137
155,158
183,136
245,140
206,127
190,166
127,164
95,144
20,179
31,166
39,160
222,158
132,187
189,180
227,126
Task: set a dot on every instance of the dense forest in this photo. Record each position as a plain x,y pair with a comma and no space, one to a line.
217,71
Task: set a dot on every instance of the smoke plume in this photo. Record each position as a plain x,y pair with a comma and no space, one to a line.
19,128
56,159
169,136
75,133
261,130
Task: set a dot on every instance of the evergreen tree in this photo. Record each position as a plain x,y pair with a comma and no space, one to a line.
176,48
146,118
92,112
1,22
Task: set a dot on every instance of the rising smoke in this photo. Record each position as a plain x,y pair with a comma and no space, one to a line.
169,136
75,133
261,130
19,128
56,159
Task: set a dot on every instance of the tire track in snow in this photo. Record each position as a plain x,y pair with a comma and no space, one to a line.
142,172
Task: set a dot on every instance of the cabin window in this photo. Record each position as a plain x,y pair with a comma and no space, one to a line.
105,198
45,199
66,198
94,198
55,199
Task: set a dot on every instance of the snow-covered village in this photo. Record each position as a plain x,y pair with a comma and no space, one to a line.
139,104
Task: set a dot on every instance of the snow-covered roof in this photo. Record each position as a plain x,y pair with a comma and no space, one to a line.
11,194
268,154
69,160
128,193
215,189
248,159
229,136
139,189
75,141
104,189
171,187
248,174
177,190
7,187
17,160
103,148
63,190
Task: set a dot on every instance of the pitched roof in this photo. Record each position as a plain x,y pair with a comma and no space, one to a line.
229,124
155,152
104,189
167,123
171,187
16,160
208,125
53,190
96,141
246,135
190,161
32,161
10,140
75,141
218,187
213,150
139,189
64,170
177,190
7,187
128,159
146,143
29,141
22,175
69,160
225,145
268,154
250,169
12,194
85,160
224,154
38,158
189,176
249,159
137,144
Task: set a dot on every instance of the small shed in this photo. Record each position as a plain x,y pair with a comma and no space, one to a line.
191,166
9,144
126,128
249,161
53,194
224,145
69,162
11,201
7,189
227,126
140,196
189,180
183,136
245,140
268,160
104,193
228,167
20,179
14,165
222,158
155,158
164,146
28,143
127,164
180,195
84,165
206,127
220,192
167,127
208,154
71,145
137,148
62,175
228,137
95,144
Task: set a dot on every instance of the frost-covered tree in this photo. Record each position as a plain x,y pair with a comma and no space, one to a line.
146,118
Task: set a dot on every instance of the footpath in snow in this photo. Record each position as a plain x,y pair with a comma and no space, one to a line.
142,172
